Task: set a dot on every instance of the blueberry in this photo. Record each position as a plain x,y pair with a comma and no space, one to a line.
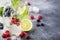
1,26
42,24
38,25
38,21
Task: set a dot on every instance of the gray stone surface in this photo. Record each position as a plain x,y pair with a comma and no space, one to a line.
51,18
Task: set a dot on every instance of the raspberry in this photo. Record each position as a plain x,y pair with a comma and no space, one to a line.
39,17
22,34
12,18
27,37
12,21
28,4
8,38
4,36
16,20
18,24
7,33
31,16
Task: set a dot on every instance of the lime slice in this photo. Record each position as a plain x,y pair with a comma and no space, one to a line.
23,11
1,11
15,3
26,25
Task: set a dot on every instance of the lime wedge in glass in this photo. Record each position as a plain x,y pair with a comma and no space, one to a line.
15,3
1,11
23,11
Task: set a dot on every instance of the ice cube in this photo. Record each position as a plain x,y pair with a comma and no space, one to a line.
15,30
13,37
30,8
35,9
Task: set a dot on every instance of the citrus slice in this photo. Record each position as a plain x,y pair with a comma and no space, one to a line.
26,25
23,10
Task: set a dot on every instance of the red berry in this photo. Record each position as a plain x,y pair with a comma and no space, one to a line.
7,33
8,38
4,35
12,17
31,16
12,21
28,4
27,37
22,34
18,24
16,20
39,17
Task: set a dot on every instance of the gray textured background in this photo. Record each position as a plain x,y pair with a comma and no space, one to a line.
50,10
51,18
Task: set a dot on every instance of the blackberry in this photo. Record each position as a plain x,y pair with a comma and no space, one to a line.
38,25
38,21
1,26
8,11
42,24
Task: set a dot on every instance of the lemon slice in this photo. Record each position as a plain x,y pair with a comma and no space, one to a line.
23,10
26,25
